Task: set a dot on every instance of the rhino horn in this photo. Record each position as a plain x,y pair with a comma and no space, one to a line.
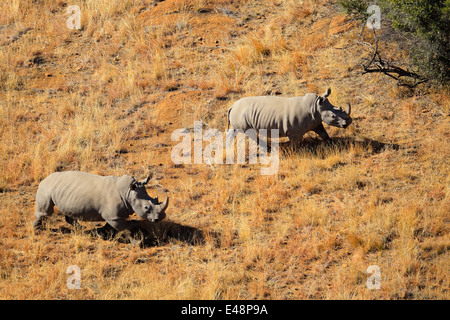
162,206
349,109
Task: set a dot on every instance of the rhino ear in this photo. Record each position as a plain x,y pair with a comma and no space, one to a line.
326,94
133,184
146,180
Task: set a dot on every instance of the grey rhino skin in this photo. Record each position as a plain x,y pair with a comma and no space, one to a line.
293,117
89,197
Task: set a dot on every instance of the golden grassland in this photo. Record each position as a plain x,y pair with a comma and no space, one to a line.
106,99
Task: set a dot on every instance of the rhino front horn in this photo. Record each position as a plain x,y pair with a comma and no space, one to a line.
162,206
349,109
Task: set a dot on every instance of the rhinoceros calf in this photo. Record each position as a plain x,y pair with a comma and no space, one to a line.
89,197
293,117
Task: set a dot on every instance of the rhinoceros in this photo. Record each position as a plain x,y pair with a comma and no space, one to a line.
89,197
293,117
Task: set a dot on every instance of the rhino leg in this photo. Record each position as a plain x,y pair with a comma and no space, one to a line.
44,209
74,223
40,217
106,232
132,231
295,140
122,224
229,136
320,130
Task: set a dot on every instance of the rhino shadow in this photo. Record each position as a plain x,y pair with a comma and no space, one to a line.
316,146
164,232
148,234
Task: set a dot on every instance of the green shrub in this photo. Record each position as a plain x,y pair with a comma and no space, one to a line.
427,20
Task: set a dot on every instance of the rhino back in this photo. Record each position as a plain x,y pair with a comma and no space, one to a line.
81,195
269,112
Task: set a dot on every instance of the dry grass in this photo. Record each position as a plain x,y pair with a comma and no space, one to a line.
106,99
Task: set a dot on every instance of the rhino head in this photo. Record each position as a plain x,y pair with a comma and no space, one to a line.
143,205
332,115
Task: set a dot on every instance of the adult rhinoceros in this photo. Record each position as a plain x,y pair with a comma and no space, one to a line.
89,197
293,117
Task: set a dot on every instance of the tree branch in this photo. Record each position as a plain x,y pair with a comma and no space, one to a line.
378,65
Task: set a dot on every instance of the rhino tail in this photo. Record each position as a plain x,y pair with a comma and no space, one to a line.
228,118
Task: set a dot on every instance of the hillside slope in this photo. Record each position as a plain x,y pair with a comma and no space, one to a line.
107,98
